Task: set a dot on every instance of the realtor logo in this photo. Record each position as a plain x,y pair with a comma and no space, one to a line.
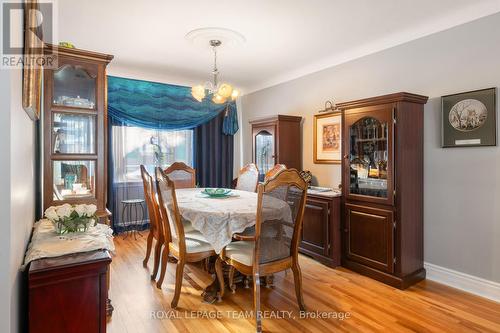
26,27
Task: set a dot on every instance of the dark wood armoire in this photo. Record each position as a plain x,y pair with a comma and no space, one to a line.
276,140
383,187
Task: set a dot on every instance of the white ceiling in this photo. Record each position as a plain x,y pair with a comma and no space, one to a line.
285,38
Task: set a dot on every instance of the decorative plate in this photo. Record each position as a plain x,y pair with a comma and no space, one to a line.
216,192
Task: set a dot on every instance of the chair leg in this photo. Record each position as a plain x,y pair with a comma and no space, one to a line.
256,302
178,283
246,282
270,281
231,284
164,261
157,259
148,249
220,277
297,276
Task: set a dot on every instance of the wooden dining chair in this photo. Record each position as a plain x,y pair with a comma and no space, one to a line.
274,170
155,228
248,178
274,246
184,246
182,175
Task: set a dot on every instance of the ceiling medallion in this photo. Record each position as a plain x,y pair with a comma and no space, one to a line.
227,37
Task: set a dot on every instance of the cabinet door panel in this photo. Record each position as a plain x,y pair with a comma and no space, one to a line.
370,236
315,227
368,160
264,149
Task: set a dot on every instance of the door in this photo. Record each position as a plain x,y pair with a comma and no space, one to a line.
370,236
368,154
315,227
264,147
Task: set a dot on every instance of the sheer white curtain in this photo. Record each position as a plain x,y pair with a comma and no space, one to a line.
133,146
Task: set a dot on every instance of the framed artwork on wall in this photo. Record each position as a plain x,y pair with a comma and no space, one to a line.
32,72
327,139
469,119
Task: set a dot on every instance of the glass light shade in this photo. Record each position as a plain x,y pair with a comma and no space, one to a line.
198,92
218,99
225,90
235,94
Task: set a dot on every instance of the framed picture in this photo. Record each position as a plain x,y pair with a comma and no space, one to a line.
469,119
32,73
328,138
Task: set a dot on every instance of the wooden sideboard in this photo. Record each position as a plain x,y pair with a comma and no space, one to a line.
321,229
69,293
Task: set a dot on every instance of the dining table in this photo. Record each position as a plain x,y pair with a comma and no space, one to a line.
219,218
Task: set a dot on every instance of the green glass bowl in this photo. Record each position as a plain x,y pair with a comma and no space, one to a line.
216,192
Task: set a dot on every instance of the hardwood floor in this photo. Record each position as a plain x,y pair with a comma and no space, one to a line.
372,306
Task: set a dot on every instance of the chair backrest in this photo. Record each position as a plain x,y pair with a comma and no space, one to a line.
248,178
151,202
169,211
275,169
182,175
279,220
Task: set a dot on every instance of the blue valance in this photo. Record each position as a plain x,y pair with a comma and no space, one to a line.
163,106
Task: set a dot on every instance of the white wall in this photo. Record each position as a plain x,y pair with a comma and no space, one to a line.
5,287
462,185
17,198
22,193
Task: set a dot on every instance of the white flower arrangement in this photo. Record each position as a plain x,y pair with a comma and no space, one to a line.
71,218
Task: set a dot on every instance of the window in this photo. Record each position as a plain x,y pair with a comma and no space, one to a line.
133,146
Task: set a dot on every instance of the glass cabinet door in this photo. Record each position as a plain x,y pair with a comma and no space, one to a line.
74,86
264,152
369,158
73,180
73,133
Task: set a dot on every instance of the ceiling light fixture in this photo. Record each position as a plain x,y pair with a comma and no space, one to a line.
218,92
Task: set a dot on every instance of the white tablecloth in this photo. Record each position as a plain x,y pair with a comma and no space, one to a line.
45,243
218,219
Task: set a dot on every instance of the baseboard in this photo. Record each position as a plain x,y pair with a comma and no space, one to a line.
472,284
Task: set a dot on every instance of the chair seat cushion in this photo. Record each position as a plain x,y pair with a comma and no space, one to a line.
270,250
195,242
241,251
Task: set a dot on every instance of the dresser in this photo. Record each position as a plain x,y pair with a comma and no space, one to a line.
383,188
69,293
320,237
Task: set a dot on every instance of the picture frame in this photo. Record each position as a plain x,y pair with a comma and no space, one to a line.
469,119
32,74
327,140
